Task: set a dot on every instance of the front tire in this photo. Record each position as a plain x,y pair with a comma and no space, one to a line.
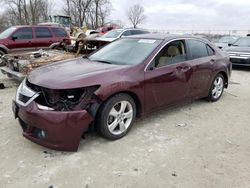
217,88
116,117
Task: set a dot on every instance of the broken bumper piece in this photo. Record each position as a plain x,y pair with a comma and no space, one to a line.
53,129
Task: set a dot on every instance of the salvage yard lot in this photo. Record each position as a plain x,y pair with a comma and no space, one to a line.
196,145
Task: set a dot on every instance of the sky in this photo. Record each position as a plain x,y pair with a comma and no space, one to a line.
183,14
189,14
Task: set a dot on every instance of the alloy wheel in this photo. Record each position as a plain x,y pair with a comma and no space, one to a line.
120,117
218,86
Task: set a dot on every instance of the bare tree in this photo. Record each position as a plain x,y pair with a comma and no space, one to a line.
136,15
67,8
91,13
28,11
3,23
77,10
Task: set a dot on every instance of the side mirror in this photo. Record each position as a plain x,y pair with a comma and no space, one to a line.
14,38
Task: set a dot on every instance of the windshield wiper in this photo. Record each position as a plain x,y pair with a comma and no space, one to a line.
102,61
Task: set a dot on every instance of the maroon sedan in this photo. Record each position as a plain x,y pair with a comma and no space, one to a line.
130,77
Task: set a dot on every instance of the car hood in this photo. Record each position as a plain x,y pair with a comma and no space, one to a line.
237,49
73,73
218,44
106,39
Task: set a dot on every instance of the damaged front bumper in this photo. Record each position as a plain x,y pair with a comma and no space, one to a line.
59,130
55,130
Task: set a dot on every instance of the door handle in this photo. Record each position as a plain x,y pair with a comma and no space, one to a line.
212,61
183,69
186,68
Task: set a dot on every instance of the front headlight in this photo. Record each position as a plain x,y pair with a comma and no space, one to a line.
25,95
68,99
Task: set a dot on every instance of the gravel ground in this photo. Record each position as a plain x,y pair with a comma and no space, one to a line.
209,148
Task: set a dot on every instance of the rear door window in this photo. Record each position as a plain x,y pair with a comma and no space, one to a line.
210,51
138,32
59,32
23,33
43,32
198,49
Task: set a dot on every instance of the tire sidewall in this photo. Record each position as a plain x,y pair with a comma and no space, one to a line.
211,98
104,113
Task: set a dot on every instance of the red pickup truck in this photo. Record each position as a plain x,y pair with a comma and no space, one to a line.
18,39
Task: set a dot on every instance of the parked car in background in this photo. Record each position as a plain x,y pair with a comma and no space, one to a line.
130,77
91,32
239,52
88,33
108,27
95,41
30,38
225,41
118,33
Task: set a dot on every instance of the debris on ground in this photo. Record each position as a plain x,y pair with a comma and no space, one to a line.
2,86
7,176
182,125
48,154
135,169
235,83
231,143
150,150
231,94
174,174
118,173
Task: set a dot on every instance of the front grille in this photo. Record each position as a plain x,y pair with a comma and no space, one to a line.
240,61
239,55
25,95
23,98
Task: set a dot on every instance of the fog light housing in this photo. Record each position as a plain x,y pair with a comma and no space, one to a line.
39,133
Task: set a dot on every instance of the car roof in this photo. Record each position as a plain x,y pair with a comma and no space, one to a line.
125,29
159,36
51,26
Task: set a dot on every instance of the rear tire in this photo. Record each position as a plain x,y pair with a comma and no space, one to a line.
116,116
217,88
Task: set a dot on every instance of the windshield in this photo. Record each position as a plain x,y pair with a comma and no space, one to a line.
228,40
126,51
7,32
112,34
244,42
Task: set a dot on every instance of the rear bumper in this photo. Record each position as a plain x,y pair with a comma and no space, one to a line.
55,130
